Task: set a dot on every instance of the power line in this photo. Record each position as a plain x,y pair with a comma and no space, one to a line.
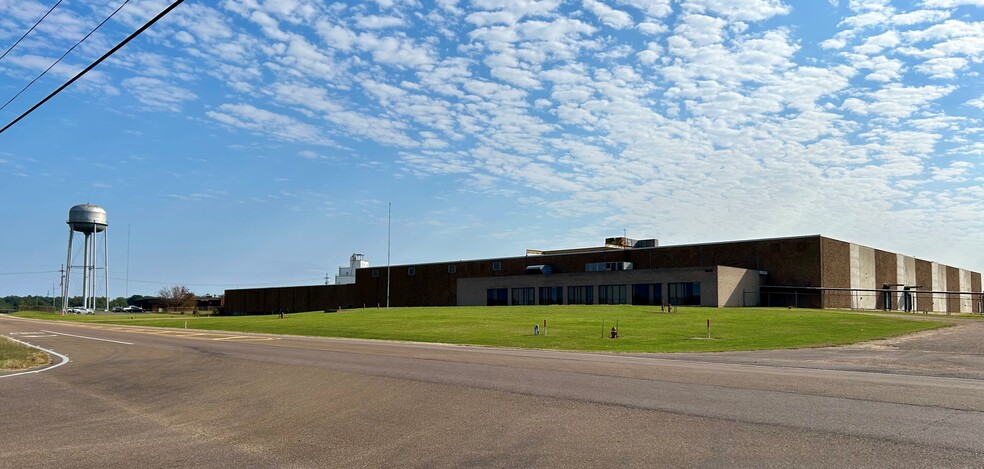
283,282
93,65
30,273
29,30
69,51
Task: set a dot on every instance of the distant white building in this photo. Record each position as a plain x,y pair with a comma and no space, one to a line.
346,275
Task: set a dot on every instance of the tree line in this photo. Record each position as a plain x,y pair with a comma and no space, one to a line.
14,302
176,297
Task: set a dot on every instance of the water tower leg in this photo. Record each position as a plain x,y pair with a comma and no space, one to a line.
106,263
93,281
92,273
68,270
87,242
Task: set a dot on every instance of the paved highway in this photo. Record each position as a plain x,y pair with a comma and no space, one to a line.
139,397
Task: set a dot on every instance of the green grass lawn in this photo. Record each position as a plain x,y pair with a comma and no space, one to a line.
641,328
16,356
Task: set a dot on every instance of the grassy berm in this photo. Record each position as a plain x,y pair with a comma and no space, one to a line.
641,328
16,356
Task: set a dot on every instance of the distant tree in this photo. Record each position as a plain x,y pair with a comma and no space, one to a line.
118,302
177,297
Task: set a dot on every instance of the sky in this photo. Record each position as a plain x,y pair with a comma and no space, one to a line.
247,143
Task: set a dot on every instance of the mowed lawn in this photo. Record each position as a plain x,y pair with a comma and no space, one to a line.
641,328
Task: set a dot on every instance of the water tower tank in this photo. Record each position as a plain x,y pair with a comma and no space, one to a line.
87,218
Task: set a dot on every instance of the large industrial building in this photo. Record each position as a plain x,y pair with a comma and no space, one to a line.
807,271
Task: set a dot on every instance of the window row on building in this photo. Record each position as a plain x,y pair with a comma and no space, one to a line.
681,293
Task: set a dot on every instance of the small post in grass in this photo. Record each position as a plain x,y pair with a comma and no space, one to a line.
602,328
708,328
544,327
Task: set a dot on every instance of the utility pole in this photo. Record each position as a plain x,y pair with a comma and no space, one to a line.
61,286
326,278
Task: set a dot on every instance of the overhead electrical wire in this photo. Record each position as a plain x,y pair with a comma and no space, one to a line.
30,273
29,30
94,64
284,282
69,51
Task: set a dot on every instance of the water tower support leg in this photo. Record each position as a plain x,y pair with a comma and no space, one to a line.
106,263
68,270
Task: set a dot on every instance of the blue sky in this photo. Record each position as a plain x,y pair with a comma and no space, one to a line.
248,143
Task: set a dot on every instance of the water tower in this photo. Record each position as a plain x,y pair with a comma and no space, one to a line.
90,220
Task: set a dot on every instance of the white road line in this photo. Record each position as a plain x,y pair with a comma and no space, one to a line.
63,357
91,338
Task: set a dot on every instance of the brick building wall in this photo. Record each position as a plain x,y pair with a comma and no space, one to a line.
805,262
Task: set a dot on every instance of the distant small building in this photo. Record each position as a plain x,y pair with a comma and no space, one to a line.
150,303
346,275
208,302
204,303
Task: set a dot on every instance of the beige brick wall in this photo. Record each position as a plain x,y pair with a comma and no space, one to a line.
737,287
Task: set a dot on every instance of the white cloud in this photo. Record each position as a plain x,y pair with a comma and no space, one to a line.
898,101
248,117
750,10
877,44
609,16
378,22
920,16
394,50
882,69
652,8
951,3
701,30
651,54
942,67
652,28
955,173
158,94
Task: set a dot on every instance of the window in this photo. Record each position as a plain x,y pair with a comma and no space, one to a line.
523,296
607,266
647,294
496,265
411,271
551,295
582,295
375,273
686,293
611,294
497,297
452,268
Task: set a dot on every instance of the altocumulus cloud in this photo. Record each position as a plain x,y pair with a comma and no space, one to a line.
717,119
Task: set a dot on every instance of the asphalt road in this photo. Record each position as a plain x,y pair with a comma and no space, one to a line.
131,397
